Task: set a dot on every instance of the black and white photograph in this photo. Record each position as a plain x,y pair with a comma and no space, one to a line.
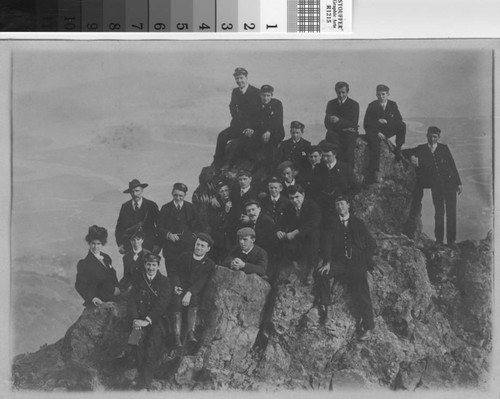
259,216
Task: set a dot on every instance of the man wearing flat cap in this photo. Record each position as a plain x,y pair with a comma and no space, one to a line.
347,249
341,122
147,308
245,100
382,121
435,170
295,149
177,223
247,256
191,274
139,212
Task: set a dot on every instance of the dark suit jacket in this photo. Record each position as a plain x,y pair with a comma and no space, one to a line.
184,222
219,226
93,279
308,222
255,261
243,107
192,275
348,113
437,168
333,240
270,118
295,152
150,299
129,220
265,232
326,184
132,269
238,202
275,211
374,112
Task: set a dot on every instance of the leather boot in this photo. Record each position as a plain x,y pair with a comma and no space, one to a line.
177,329
191,323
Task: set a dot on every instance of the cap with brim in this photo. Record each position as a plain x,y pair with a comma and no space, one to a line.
181,187
240,71
339,198
133,184
382,88
274,179
252,201
267,89
246,232
205,237
283,165
297,125
433,130
326,147
151,258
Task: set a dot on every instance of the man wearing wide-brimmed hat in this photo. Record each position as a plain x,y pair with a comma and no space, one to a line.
135,213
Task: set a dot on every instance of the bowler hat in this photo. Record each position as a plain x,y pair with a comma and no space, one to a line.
133,184
205,237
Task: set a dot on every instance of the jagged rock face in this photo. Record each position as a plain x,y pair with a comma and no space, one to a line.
432,311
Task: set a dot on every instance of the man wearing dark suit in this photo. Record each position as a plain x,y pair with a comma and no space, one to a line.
332,178
239,197
299,230
290,177
192,271
245,100
138,212
295,149
314,156
263,225
275,203
347,249
147,307
436,170
177,223
341,122
247,256
133,261
382,121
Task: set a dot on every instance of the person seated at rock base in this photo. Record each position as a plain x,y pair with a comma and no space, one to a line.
96,280
247,256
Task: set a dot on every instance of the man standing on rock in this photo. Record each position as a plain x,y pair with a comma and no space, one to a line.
139,212
435,170
245,100
341,122
147,307
347,248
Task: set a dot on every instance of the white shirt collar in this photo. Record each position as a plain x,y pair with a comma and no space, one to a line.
247,252
432,147
196,257
290,184
244,190
275,198
178,204
138,203
330,166
344,218
244,90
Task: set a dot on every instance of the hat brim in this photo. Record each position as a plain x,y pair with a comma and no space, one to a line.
129,190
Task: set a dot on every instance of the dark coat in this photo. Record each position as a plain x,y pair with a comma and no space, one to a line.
238,202
374,112
299,181
270,118
94,279
150,299
132,269
437,168
295,152
275,211
348,113
192,275
219,226
184,222
129,220
308,222
244,107
326,184
265,232
362,243
255,261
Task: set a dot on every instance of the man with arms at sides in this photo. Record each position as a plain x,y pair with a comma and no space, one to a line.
219,223
138,212
147,308
435,170
192,271
332,178
269,130
382,121
177,223
245,100
275,203
295,149
299,230
133,261
247,256
347,249
341,122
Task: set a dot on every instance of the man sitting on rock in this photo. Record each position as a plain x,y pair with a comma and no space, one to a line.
295,148
247,256
192,271
347,248
147,307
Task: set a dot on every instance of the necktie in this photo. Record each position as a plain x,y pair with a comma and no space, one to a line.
297,210
178,207
136,256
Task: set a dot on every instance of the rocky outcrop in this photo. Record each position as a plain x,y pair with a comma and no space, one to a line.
432,307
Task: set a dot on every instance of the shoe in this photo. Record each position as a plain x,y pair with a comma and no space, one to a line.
365,335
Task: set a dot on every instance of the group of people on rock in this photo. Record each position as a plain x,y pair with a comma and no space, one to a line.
301,216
